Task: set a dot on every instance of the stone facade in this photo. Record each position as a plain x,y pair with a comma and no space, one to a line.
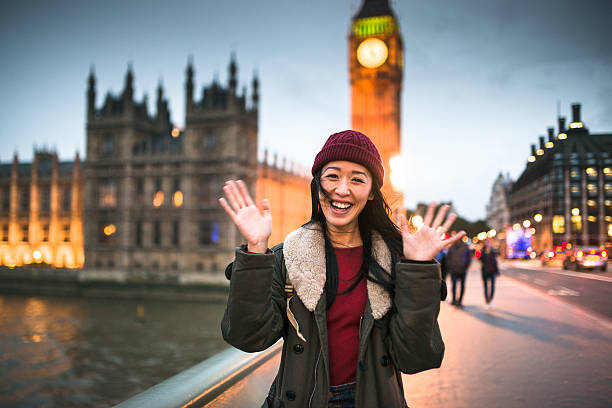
497,210
41,212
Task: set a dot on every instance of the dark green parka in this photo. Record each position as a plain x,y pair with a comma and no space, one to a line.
404,338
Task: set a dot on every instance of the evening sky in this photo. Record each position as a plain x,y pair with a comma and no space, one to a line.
482,79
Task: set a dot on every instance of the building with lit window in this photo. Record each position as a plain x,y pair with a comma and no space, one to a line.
565,192
498,210
41,212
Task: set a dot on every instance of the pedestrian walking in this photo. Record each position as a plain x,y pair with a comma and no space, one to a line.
488,258
354,297
457,261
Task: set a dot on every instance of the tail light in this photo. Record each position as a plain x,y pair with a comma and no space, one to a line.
551,254
477,254
579,254
604,253
592,251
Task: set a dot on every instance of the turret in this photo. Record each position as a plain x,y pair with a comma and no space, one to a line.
128,90
189,86
91,93
233,69
255,91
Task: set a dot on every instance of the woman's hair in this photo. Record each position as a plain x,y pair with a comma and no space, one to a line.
375,216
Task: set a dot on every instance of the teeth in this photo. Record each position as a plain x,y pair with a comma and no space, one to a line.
341,205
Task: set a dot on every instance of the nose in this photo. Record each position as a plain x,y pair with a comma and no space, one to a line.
342,187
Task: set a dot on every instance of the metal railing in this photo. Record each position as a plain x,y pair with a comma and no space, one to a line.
202,383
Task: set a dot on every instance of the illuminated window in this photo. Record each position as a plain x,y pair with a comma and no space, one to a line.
608,187
591,172
107,233
607,171
577,223
66,232
592,218
608,218
25,232
574,173
5,232
107,193
575,189
158,197
209,232
45,233
608,203
177,199
591,203
558,224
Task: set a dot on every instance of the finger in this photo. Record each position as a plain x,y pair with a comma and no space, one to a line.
403,223
429,214
238,194
245,193
265,206
227,209
454,239
449,221
231,196
440,216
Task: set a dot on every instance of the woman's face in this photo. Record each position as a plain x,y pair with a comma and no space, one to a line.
349,186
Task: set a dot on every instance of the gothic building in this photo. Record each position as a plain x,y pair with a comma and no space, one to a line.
41,212
151,189
565,191
497,210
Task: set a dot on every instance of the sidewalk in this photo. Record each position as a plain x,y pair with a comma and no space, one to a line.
531,350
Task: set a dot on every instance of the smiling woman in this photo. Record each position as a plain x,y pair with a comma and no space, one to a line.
367,290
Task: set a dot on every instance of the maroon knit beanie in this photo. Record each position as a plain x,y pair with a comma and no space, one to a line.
352,146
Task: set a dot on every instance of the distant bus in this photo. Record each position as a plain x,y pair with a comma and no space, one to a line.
519,244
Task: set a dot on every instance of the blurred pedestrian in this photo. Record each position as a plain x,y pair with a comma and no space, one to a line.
457,261
488,258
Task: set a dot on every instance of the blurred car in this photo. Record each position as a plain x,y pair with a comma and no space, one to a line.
588,257
553,257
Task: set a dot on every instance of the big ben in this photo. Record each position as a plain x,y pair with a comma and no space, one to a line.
376,57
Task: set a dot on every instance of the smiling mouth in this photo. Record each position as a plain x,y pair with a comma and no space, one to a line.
342,206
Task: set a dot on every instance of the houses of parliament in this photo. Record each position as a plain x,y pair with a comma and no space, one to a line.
144,199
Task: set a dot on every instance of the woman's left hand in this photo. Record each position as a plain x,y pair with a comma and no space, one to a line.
425,243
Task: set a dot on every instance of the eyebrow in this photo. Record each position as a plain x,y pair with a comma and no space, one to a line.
353,172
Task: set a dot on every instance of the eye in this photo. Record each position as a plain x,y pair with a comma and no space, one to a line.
358,180
332,176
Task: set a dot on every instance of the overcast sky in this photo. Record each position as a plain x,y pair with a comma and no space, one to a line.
482,77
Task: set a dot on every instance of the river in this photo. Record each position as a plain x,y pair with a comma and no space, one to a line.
93,352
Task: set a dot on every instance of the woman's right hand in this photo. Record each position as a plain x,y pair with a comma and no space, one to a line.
254,226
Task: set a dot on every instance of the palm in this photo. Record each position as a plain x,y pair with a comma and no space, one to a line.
255,227
425,243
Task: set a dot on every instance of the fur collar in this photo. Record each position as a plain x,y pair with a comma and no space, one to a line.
304,253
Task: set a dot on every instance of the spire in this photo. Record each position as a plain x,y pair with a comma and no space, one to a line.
128,91
91,93
162,106
189,85
233,69
374,8
255,90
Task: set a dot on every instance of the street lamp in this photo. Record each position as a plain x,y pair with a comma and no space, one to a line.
575,211
526,223
537,217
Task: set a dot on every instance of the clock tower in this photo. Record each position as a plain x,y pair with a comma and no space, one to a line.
376,57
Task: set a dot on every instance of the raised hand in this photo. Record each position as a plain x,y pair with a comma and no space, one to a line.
424,244
254,226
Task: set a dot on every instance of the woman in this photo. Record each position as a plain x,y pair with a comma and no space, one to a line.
367,292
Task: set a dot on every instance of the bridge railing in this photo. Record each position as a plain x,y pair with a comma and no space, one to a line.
207,381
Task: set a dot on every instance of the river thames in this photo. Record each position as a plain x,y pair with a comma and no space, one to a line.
75,352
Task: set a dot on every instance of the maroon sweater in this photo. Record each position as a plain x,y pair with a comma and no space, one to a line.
344,318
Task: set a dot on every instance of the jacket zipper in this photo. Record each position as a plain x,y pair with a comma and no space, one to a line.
315,379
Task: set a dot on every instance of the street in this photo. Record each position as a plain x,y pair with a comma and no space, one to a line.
540,346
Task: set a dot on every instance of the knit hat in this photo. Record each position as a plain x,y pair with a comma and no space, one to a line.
352,146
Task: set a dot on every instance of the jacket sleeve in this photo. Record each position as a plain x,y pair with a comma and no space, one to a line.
254,318
414,341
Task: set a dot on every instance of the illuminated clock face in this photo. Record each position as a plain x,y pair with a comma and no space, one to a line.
372,53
